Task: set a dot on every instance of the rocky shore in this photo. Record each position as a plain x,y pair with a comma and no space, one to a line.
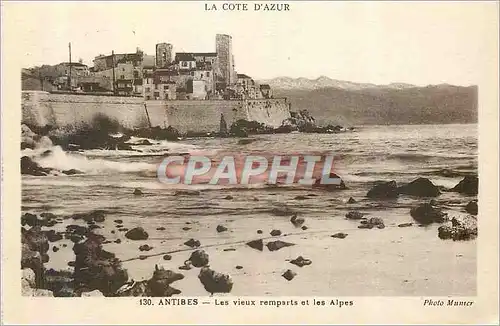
95,271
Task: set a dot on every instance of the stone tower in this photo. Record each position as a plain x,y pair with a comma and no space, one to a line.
223,45
163,54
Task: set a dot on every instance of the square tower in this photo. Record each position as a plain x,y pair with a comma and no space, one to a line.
223,45
163,54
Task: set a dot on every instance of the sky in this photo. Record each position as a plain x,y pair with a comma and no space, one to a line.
375,42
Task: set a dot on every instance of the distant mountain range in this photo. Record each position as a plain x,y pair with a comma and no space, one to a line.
323,81
349,103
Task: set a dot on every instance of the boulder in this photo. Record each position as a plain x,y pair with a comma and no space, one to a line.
256,244
167,257
354,215
297,221
421,187
96,268
221,228
277,245
340,235
340,186
36,239
137,233
301,261
30,167
459,228
468,186
192,243
72,172
371,223
289,275
137,192
275,233
92,216
29,219
159,284
187,266
134,289
426,214
215,282
61,283
199,258
471,207
145,248
383,190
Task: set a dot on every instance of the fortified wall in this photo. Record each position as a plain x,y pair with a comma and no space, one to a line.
42,108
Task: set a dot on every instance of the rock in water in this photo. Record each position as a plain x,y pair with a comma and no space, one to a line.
228,197
471,207
463,228
385,190
469,185
275,233
256,244
215,282
340,235
339,186
297,221
221,228
426,214
404,225
72,172
301,261
421,187
354,215
159,284
371,223
277,245
137,192
289,275
145,248
199,258
192,243
30,167
351,200
137,233
167,257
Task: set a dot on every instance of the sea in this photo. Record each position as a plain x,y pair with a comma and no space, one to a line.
377,262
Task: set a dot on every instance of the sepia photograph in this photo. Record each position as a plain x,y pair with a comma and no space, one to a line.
228,150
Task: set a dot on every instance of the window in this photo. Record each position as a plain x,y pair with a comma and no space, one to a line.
208,73
123,69
148,89
156,86
122,76
184,63
202,75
